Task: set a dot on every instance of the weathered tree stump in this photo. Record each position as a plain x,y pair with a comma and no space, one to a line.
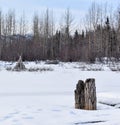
90,94
79,95
85,95
19,66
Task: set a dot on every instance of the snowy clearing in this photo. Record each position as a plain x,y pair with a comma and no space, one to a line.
47,98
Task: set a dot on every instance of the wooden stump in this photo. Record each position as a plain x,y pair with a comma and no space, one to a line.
90,94
79,95
85,95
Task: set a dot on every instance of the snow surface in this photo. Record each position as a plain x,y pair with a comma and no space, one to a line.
47,98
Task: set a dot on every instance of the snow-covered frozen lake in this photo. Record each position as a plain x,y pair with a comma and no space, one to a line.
47,98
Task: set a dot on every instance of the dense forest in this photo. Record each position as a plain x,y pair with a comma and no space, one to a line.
41,40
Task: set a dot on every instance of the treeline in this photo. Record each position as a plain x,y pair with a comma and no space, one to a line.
42,40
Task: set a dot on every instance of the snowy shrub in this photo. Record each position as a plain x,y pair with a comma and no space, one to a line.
52,62
9,68
40,69
94,69
115,68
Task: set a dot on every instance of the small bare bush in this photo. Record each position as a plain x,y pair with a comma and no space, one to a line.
52,62
9,68
40,69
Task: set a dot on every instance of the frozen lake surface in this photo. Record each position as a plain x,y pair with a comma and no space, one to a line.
47,98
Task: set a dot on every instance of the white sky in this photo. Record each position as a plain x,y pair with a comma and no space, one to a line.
78,7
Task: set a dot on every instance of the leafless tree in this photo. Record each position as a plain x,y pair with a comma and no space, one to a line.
67,27
23,25
0,22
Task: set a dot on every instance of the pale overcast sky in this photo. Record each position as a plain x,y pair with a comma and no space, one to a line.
59,6
77,7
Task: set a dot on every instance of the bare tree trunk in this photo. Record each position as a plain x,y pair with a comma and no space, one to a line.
0,23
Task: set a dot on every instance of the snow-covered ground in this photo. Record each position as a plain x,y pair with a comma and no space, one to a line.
47,97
